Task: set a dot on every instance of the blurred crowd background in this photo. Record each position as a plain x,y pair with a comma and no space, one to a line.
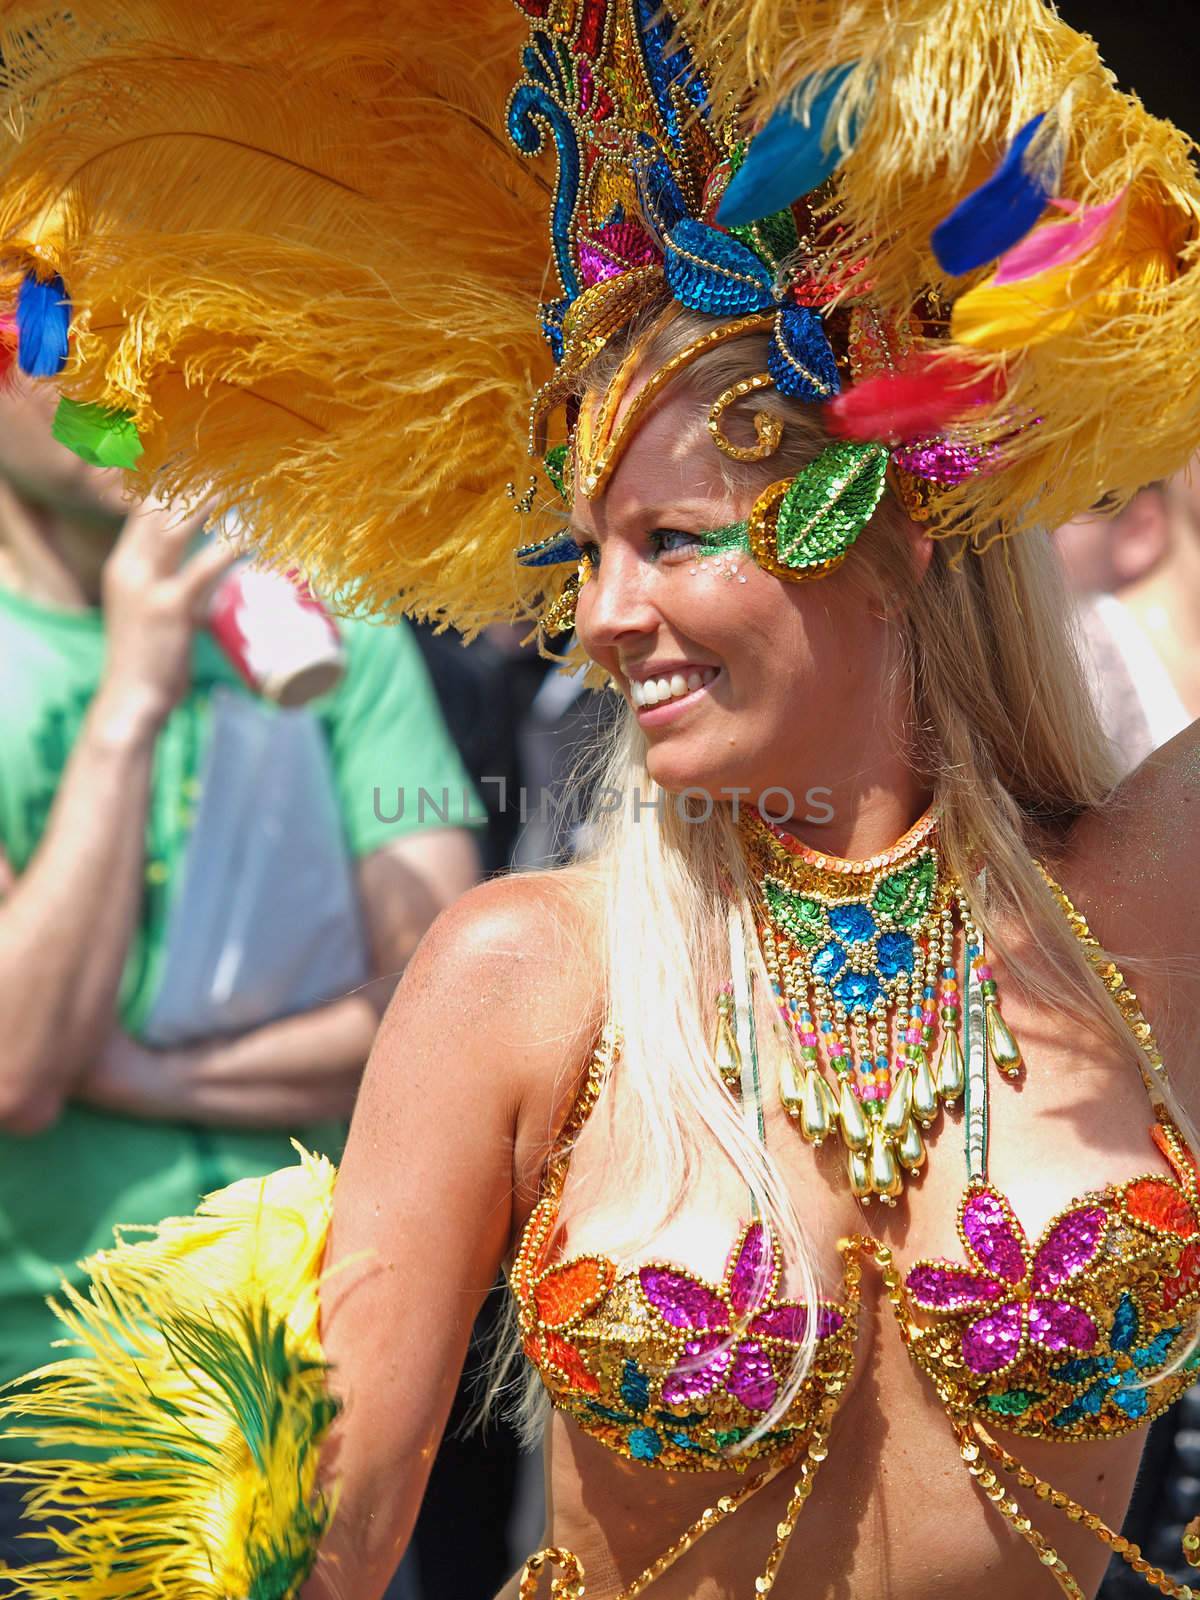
206,897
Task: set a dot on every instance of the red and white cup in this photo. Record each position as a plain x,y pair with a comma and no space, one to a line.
277,633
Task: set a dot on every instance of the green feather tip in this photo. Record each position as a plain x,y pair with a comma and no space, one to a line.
98,436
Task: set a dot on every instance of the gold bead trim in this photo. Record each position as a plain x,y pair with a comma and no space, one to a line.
976,1438
598,314
921,829
610,437
1109,974
768,428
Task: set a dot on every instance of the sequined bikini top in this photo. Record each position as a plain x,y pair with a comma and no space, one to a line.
1082,1333
659,1364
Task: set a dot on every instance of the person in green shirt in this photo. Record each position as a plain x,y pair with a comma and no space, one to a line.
204,902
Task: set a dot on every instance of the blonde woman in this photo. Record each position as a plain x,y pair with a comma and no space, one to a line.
846,1202
863,686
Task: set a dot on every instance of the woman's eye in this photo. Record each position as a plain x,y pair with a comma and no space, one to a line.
667,541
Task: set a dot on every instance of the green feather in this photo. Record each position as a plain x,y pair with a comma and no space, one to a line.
100,437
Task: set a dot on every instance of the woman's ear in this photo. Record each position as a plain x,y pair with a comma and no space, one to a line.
1141,536
921,547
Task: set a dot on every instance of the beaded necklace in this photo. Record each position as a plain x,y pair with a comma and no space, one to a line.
861,960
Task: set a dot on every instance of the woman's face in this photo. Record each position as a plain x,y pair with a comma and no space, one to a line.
783,683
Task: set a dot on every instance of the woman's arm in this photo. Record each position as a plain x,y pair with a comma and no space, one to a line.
475,1063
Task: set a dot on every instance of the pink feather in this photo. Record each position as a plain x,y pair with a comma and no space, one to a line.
916,401
1056,244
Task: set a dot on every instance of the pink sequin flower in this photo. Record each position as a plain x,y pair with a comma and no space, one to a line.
1009,1291
733,1327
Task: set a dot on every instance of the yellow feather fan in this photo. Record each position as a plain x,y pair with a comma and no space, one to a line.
300,253
200,1381
1102,363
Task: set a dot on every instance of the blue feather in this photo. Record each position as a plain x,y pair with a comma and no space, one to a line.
787,157
43,325
1001,211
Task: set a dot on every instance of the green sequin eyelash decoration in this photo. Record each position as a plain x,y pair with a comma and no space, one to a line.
734,536
803,527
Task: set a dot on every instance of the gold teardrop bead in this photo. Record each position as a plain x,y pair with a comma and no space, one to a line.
855,1130
860,1175
791,1087
814,1112
898,1110
725,1049
1002,1047
911,1148
828,1097
885,1173
924,1092
950,1069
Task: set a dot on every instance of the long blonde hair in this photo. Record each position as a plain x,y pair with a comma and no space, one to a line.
1004,733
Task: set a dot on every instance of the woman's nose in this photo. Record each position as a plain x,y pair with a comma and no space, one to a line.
614,603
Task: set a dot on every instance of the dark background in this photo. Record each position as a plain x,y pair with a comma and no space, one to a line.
1153,46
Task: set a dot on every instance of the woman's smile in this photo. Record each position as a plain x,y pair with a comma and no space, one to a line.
660,696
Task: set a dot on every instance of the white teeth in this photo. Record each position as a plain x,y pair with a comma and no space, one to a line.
656,691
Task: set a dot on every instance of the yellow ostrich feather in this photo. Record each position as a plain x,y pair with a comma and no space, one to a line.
1106,354
200,1377
302,256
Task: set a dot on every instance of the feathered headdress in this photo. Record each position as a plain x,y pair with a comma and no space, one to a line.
294,258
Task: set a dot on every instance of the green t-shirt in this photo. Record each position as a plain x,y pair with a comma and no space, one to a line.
63,1190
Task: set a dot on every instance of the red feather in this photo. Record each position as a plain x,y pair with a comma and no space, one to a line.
8,348
913,403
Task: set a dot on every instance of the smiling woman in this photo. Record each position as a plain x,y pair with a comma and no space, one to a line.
754,1070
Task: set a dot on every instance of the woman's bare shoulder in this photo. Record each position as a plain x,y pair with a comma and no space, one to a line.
510,978
521,936
1139,853
1132,867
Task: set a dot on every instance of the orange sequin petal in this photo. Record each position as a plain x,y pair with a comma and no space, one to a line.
1183,1162
571,1290
569,1362
1186,1278
1161,1205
